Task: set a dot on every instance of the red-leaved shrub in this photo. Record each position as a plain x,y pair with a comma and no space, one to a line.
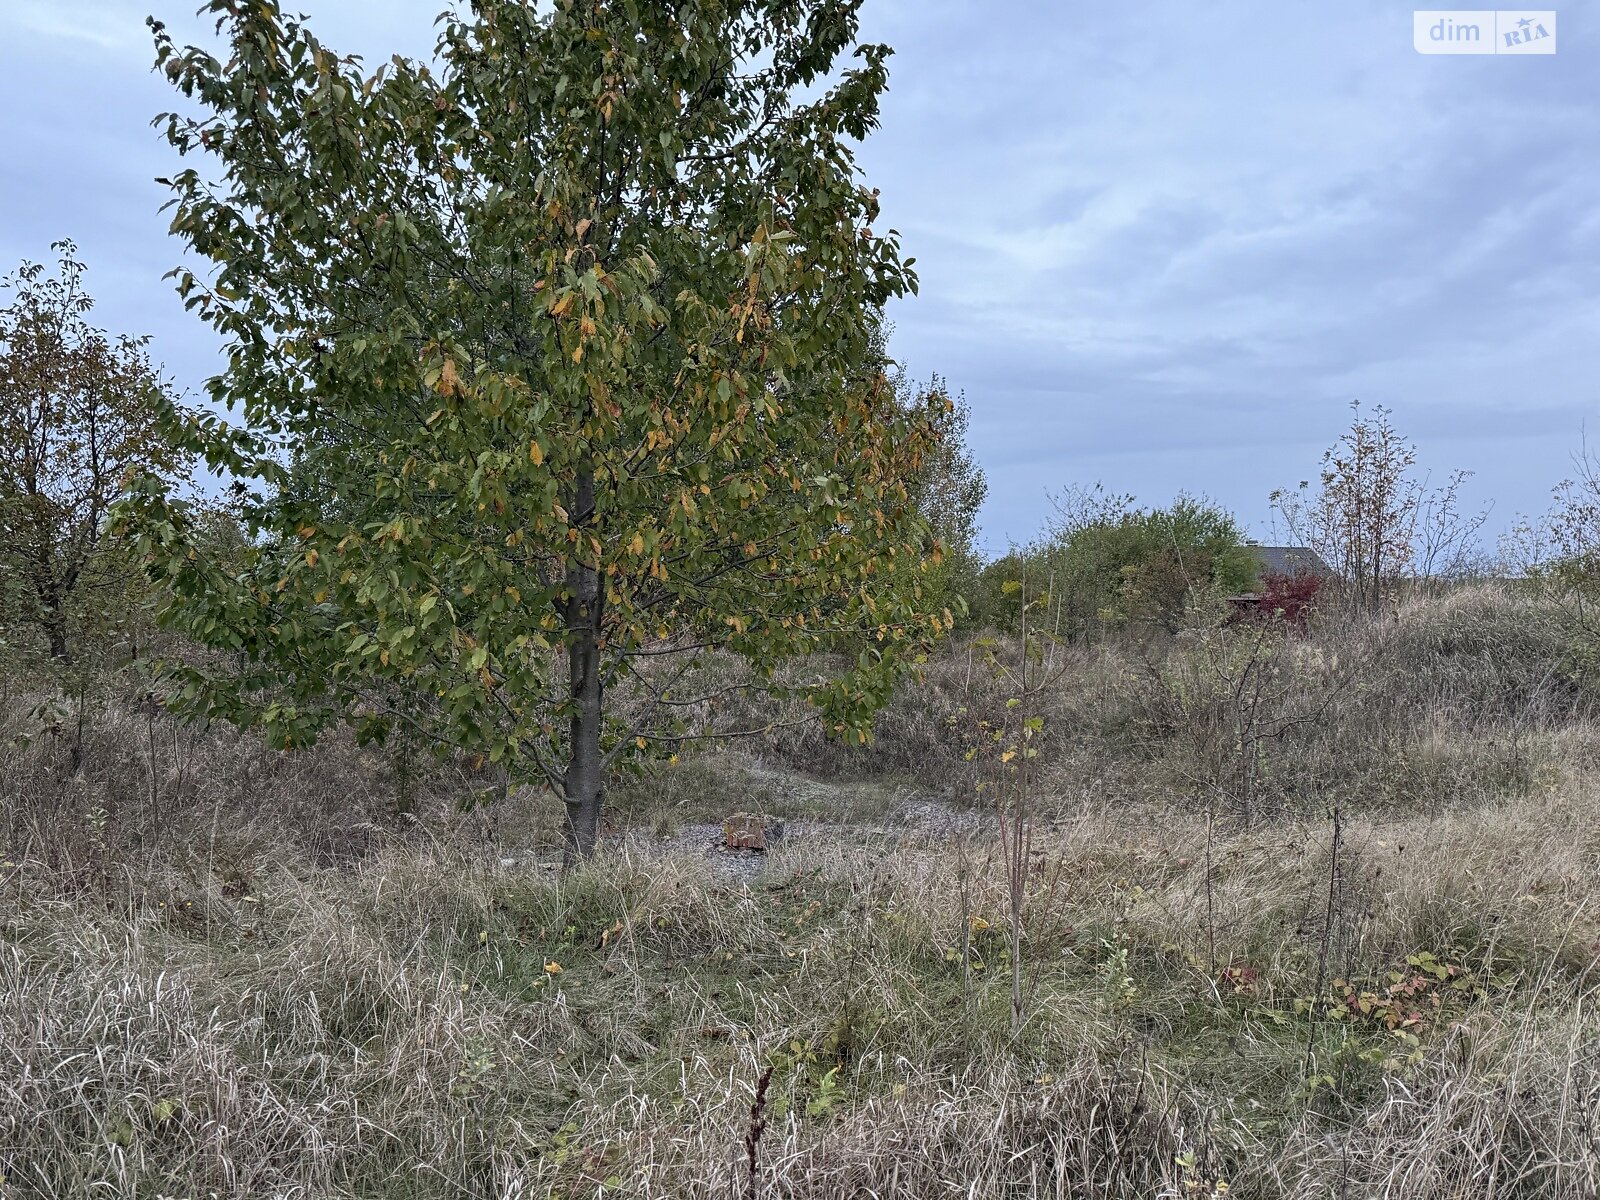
1290,597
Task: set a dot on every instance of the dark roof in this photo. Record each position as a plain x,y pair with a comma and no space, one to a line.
1289,560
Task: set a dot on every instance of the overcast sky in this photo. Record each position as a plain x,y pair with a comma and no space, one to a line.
1162,246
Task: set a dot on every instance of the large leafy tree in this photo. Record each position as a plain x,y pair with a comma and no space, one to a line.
554,365
79,412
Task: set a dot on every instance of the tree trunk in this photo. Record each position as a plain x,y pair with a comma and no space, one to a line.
582,782
56,632
52,620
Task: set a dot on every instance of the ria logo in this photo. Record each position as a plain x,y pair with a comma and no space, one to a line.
1484,31
1529,30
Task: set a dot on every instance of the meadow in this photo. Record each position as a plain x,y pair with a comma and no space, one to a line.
1307,914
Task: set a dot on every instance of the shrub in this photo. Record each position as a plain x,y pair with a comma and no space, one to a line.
1109,565
1289,597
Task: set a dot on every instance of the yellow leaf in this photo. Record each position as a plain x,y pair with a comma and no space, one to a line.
552,967
449,381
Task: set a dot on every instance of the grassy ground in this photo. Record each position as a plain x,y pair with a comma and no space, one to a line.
202,997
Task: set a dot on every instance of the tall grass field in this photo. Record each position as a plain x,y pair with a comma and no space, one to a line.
1307,914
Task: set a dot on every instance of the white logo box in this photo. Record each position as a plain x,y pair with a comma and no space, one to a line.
1484,31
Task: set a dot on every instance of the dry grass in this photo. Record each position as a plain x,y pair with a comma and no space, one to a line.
266,982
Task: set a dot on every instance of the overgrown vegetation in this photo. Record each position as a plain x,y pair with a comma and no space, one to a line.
1132,898
1297,910
574,467
1107,564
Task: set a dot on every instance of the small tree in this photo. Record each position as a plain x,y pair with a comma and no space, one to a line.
1573,526
79,414
1372,519
1071,559
949,491
1006,749
1562,551
555,366
950,487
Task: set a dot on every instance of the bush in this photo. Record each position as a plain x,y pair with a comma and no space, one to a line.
1289,598
1114,566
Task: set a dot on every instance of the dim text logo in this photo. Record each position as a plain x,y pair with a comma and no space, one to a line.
1484,31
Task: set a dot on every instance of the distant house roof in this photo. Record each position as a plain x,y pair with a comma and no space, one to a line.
1289,560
